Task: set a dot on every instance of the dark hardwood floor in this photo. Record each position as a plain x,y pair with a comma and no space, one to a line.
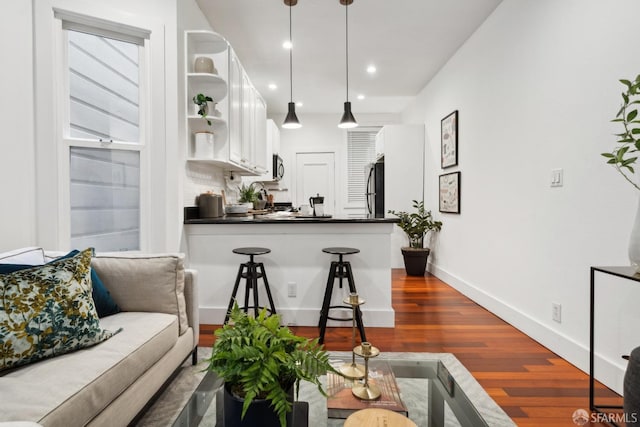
533,385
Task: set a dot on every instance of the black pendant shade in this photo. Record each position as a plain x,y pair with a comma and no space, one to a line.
291,121
347,121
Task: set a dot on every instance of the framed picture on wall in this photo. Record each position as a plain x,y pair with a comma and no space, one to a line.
449,140
450,192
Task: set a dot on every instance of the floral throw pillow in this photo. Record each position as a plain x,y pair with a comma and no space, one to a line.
47,310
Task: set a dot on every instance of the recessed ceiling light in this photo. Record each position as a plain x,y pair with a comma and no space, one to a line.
371,69
299,104
273,86
361,97
287,44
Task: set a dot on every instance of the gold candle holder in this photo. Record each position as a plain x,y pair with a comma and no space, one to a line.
366,391
353,370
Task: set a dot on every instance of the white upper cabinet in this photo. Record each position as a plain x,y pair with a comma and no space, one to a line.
237,115
235,108
261,150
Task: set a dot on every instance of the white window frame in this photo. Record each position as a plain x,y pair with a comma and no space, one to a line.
66,142
52,151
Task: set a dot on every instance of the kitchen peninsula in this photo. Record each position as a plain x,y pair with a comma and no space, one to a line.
296,268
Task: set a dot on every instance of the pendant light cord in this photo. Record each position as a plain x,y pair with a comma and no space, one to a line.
346,19
290,57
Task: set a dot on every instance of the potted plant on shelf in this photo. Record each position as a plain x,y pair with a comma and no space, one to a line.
416,225
260,362
201,101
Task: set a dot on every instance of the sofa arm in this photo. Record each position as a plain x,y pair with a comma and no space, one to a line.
145,282
191,299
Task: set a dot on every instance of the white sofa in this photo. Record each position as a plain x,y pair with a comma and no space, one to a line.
110,383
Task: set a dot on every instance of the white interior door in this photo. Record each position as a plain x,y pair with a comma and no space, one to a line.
315,174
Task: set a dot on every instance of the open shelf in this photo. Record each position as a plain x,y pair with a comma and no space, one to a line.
209,84
206,41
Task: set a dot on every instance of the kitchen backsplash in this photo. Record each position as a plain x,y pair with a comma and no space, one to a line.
200,178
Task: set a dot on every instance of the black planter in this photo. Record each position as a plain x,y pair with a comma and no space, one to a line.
260,412
415,260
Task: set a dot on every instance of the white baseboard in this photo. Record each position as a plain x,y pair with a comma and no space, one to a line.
309,317
564,346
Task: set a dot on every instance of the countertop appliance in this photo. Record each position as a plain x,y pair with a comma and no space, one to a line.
374,190
278,168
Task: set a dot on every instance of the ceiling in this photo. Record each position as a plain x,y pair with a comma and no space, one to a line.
407,40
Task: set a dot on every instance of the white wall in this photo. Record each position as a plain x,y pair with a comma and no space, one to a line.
17,171
536,87
320,132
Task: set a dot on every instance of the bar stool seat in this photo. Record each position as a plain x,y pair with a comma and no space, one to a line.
254,271
339,270
341,251
251,251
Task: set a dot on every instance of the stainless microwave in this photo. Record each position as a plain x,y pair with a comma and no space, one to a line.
278,168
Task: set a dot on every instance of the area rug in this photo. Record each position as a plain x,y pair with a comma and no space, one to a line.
414,394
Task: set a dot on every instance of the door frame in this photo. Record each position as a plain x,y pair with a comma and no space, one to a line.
337,170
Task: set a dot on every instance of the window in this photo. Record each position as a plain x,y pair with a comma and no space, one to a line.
360,152
103,136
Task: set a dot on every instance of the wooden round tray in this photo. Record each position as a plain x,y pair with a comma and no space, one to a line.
378,417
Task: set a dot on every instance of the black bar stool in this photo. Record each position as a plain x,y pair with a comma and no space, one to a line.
339,270
251,275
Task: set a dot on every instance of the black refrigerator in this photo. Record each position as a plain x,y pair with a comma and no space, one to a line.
374,193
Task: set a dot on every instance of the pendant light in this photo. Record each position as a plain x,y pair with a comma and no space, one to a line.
291,121
347,121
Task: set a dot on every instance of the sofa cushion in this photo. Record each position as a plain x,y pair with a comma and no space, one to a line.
29,256
105,305
151,283
47,310
73,388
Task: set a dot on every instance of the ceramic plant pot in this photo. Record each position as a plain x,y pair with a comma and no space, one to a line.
415,260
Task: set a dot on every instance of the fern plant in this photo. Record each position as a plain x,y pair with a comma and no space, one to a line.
259,359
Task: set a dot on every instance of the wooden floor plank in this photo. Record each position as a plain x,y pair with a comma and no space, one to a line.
533,385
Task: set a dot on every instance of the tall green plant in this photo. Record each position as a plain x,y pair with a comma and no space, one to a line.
258,358
624,154
417,224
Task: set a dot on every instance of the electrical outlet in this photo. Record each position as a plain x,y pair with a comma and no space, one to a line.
292,288
556,312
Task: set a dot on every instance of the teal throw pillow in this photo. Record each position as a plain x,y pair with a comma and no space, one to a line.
47,311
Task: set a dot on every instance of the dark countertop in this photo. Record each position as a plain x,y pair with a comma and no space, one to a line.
288,220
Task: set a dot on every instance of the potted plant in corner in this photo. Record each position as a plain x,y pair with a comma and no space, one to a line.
260,362
201,101
416,225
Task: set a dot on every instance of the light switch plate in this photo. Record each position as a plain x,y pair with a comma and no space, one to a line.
557,178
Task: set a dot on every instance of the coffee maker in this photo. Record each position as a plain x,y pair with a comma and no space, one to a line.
317,203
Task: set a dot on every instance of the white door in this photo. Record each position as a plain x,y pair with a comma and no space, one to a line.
315,174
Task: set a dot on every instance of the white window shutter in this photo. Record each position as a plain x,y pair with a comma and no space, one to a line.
360,152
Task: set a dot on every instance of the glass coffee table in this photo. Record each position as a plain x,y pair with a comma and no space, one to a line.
436,388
